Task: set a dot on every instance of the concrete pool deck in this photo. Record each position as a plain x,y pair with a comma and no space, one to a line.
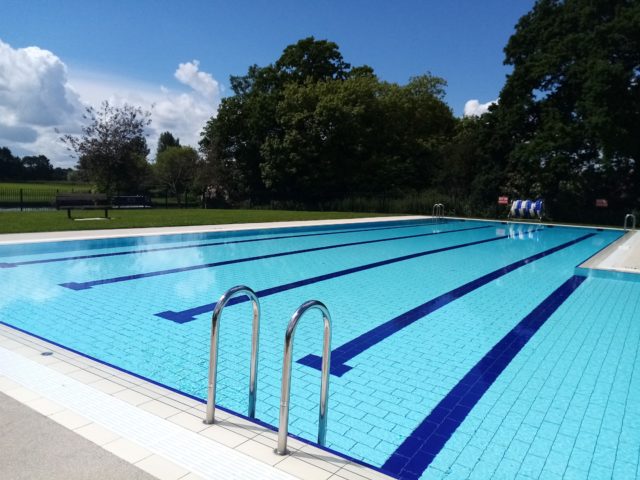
39,237
622,255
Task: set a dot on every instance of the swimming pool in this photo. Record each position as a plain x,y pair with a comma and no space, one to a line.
460,350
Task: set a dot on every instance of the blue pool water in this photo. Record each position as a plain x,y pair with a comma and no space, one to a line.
460,349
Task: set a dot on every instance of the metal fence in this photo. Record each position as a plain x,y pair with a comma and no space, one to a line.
42,198
29,198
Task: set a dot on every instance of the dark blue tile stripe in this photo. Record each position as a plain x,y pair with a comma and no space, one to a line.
201,245
416,453
355,347
193,397
189,314
127,278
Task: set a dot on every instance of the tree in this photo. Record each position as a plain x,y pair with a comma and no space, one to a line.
572,103
312,60
10,167
232,142
37,168
112,150
355,135
165,141
176,168
310,126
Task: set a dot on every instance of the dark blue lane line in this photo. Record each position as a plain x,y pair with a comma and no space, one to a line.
162,249
127,278
255,421
188,315
355,347
418,450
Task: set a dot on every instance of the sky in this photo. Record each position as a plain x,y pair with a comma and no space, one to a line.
174,58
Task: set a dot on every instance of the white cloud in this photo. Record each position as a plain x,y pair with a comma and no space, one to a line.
473,108
189,74
39,94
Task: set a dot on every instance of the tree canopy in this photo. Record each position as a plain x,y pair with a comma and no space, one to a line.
572,103
176,168
28,168
165,141
311,126
112,150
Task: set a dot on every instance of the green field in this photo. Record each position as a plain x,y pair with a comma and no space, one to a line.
62,186
49,221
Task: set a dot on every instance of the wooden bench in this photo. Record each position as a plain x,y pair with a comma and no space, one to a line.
83,201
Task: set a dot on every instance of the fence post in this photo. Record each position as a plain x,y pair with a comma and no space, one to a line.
21,206
166,198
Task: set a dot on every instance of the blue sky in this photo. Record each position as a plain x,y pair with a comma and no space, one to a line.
132,50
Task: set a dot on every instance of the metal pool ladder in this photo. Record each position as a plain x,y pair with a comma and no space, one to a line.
283,429
438,211
633,221
213,359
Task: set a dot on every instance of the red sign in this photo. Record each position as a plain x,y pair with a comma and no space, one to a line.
602,202
503,200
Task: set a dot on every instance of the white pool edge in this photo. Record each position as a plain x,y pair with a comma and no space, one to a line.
102,403
39,237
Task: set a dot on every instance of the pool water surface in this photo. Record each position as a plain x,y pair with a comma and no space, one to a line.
460,349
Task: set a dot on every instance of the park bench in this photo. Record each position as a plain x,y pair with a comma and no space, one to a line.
83,201
130,201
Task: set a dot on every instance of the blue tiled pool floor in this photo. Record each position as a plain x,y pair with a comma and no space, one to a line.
559,402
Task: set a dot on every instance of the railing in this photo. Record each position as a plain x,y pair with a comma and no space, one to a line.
437,211
213,359
633,221
283,429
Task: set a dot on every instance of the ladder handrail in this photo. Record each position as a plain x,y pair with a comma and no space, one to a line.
437,211
213,359
283,429
633,224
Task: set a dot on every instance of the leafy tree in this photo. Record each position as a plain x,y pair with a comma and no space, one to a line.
165,141
176,168
37,168
312,60
355,135
310,126
112,150
572,102
10,167
232,142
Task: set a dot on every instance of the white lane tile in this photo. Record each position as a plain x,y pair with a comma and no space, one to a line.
188,450
161,468
70,419
132,397
7,384
107,386
302,469
188,421
23,394
223,436
260,451
127,450
97,434
45,406
160,409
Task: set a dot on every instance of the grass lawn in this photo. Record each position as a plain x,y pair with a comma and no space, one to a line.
48,186
50,221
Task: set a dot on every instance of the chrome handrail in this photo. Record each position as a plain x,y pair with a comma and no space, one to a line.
633,223
213,359
283,429
437,211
